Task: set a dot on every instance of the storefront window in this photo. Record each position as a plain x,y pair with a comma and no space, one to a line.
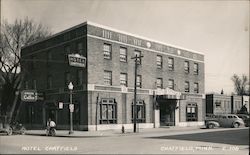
108,111
192,112
141,112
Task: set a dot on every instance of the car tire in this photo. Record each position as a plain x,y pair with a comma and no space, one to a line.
210,126
236,125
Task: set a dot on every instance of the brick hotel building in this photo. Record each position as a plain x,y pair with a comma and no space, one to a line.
170,81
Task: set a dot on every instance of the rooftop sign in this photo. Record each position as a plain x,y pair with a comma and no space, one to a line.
77,60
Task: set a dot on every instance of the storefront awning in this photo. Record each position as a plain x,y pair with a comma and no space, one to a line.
168,93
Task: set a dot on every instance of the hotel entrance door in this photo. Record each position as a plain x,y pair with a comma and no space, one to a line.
167,112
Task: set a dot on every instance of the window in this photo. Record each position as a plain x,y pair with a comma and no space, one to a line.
196,69
192,112
67,78
171,84
138,81
217,104
159,61
171,64
49,82
186,67
33,59
108,78
34,84
80,48
79,77
26,85
187,86
138,54
123,54
106,34
66,51
141,112
123,79
107,51
159,83
137,42
108,112
196,87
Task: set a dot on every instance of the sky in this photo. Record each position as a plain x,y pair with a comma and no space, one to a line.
218,29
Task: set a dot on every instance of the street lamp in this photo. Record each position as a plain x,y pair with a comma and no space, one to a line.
71,106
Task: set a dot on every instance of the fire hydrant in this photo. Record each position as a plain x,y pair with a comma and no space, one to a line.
123,129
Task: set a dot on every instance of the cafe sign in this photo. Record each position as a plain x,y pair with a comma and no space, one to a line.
29,95
77,60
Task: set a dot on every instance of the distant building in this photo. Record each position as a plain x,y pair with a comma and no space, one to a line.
170,80
225,104
218,104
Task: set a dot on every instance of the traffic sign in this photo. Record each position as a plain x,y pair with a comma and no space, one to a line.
71,107
77,60
60,105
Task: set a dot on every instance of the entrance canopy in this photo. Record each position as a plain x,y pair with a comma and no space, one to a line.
168,93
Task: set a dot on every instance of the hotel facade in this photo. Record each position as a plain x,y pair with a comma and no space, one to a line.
170,81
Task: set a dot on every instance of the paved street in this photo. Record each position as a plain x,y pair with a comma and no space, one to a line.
148,141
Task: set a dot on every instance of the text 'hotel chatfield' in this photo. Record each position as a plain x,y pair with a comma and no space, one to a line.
170,81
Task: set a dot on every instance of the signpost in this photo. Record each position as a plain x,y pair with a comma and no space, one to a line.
77,60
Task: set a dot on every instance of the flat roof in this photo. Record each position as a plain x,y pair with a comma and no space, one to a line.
111,29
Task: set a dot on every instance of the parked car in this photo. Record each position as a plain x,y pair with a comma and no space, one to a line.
230,120
210,124
245,118
226,120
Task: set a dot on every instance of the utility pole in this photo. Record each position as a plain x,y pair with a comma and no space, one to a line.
135,86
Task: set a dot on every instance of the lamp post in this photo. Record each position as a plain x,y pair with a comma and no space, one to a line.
71,106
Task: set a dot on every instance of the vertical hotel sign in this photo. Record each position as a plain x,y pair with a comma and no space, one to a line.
77,60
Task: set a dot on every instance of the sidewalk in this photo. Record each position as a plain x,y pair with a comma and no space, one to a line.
105,133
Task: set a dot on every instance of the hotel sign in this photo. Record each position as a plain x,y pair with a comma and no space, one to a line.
77,60
29,95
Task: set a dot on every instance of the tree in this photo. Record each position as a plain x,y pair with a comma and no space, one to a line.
240,84
14,36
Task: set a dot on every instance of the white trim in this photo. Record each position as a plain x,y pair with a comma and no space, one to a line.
127,127
139,37
146,49
186,124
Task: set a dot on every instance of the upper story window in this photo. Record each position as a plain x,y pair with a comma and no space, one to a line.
123,54
66,36
49,82
186,67
171,64
79,77
196,68
138,54
187,87
67,78
122,38
80,48
139,81
123,79
107,78
34,84
171,84
137,42
159,83
196,87
106,34
66,51
107,51
159,61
